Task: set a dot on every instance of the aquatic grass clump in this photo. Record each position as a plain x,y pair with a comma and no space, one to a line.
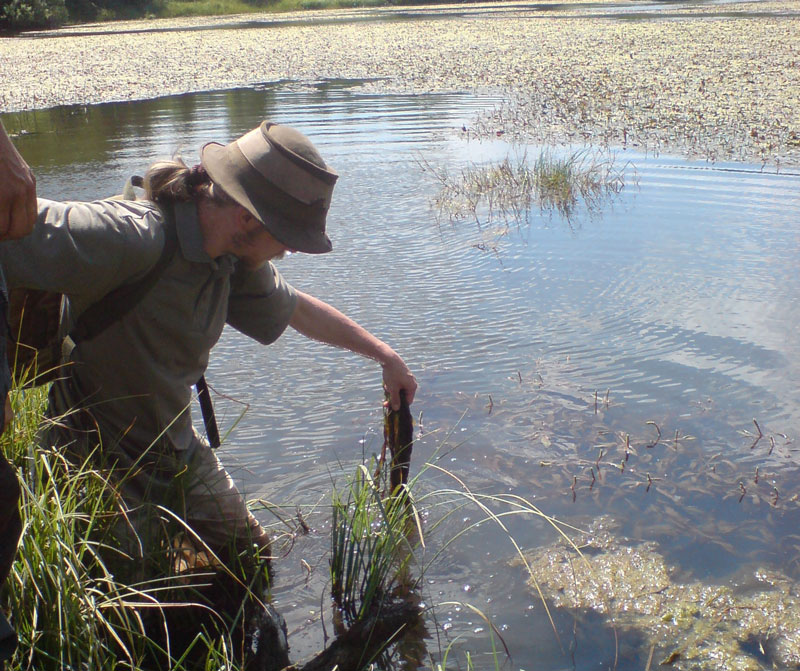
563,182
370,547
65,604
377,617
505,192
69,594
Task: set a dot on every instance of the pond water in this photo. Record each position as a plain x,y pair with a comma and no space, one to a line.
546,367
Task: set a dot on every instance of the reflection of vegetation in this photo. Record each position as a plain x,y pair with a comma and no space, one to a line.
98,135
505,192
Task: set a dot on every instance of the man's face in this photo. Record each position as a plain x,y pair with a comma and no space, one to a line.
254,245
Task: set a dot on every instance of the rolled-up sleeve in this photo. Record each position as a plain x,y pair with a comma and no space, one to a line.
261,303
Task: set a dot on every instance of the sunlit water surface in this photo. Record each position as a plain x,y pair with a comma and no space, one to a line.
673,308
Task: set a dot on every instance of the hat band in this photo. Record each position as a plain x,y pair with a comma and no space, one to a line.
273,166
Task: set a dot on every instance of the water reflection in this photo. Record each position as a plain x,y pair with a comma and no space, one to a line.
547,371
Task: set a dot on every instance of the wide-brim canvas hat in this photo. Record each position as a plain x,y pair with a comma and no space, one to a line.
279,177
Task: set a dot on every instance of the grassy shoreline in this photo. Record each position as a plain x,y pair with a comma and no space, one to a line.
26,15
215,8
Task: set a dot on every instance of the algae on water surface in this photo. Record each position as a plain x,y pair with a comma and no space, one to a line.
751,624
719,81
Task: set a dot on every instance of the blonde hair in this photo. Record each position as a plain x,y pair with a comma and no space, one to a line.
172,181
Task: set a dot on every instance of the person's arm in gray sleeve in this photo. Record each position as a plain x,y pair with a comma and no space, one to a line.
261,303
84,250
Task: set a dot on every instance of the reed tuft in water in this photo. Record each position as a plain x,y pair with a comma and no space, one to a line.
370,547
507,191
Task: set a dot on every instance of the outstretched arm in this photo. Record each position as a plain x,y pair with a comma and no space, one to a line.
318,320
17,192
17,214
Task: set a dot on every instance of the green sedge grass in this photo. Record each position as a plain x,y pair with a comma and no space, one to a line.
71,606
370,545
505,192
73,609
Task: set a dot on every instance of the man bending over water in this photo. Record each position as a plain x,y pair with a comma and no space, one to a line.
128,388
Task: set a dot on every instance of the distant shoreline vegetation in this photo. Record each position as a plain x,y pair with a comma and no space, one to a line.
19,15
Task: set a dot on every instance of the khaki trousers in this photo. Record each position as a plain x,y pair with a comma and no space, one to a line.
162,486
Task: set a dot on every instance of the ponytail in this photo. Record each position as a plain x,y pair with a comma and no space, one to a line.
173,182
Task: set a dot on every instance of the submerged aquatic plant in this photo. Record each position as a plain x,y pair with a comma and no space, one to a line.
505,192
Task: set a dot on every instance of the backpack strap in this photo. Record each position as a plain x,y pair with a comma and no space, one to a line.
117,303
207,408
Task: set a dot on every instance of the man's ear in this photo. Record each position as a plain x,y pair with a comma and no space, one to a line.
243,218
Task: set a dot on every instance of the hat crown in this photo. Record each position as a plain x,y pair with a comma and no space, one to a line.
294,141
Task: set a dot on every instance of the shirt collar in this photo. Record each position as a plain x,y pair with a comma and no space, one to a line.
190,238
189,234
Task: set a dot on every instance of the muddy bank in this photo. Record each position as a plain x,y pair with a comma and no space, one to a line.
721,81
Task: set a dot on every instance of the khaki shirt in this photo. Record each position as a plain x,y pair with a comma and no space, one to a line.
136,376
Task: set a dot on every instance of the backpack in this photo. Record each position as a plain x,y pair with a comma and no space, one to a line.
38,347
34,348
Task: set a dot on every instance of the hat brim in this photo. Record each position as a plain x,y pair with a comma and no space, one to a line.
227,167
